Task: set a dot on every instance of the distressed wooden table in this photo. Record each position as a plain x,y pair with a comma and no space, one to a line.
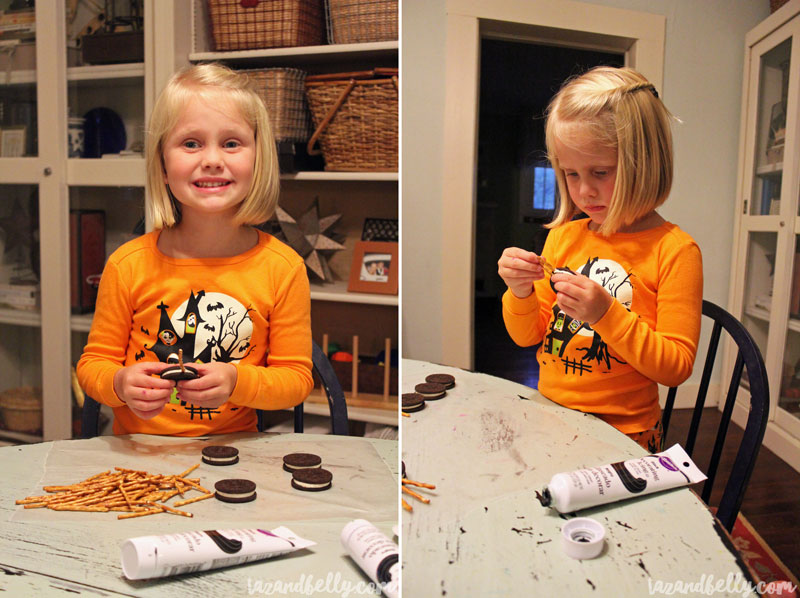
80,554
488,446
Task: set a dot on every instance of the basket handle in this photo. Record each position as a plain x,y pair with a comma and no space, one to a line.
328,118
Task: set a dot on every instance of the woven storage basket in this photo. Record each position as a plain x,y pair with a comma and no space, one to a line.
283,91
355,119
21,409
242,25
358,21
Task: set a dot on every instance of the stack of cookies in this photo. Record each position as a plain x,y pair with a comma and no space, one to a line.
435,387
307,472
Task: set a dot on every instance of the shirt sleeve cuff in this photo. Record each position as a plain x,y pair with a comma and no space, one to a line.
517,306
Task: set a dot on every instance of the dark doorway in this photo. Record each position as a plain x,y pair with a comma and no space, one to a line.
517,82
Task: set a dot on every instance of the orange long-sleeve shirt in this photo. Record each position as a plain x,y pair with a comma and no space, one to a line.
252,310
648,336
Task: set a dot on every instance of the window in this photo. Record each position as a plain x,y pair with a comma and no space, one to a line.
544,188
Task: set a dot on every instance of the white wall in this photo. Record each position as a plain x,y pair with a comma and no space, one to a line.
702,86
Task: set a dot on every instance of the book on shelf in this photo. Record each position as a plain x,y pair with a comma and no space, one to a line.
87,244
20,295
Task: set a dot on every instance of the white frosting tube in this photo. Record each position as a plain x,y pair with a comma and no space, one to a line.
187,552
576,490
376,554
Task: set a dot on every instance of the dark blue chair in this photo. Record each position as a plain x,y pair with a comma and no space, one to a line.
749,358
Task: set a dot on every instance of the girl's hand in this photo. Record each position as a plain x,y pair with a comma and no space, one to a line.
580,297
143,393
519,269
213,387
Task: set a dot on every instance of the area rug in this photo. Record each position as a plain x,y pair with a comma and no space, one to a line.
763,562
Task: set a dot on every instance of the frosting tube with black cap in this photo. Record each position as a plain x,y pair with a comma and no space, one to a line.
584,488
174,554
376,554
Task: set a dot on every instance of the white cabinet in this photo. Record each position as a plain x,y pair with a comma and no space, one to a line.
37,191
765,276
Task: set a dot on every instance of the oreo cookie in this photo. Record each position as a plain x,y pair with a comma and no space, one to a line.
431,390
235,490
312,480
413,401
176,373
446,380
297,461
220,455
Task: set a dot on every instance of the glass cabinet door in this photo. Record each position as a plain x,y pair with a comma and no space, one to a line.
18,126
770,130
20,319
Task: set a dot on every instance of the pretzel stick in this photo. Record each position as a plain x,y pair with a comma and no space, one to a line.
189,501
188,471
180,362
417,496
171,510
419,484
140,514
197,486
406,506
546,266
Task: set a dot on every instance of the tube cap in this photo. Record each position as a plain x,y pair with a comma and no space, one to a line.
583,538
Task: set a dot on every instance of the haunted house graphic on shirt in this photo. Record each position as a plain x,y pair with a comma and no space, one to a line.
561,334
207,327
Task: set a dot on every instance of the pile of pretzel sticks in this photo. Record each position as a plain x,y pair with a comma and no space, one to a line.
417,495
136,493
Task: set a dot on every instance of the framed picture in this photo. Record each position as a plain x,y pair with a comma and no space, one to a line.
374,268
12,142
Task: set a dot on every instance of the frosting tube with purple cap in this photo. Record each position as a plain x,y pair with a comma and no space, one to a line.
174,554
584,488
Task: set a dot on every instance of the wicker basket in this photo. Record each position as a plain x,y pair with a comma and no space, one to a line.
358,21
243,25
283,91
355,115
21,409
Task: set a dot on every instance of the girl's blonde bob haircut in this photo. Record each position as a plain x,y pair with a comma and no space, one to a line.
217,85
614,108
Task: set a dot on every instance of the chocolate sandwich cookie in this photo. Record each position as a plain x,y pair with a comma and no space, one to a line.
220,455
312,480
413,401
235,490
445,379
431,390
176,373
296,461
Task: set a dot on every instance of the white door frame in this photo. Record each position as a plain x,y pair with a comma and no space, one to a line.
640,36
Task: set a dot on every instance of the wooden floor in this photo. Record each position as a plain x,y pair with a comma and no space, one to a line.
771,504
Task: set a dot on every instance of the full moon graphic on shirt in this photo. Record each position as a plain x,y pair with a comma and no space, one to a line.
614,279
222,321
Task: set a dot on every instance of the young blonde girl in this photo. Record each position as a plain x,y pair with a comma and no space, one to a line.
204,286
621,313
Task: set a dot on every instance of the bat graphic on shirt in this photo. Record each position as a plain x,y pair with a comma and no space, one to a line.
145,330
209,327
216,306
139,355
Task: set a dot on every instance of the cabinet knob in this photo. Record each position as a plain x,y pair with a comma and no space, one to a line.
48,171
782,223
